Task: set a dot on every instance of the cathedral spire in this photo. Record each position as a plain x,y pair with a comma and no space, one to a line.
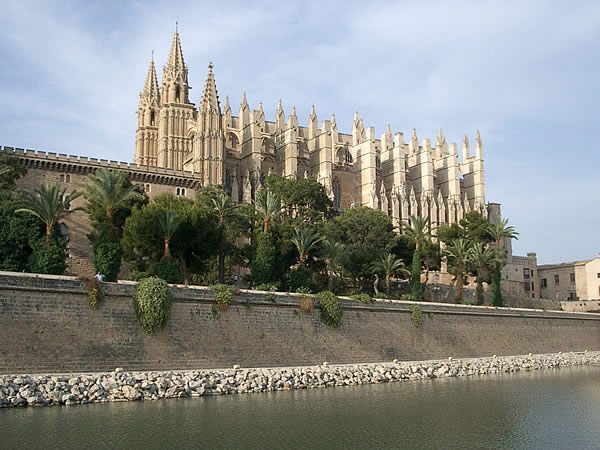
227,107
175,87
151,86
244,104
210,98
176,54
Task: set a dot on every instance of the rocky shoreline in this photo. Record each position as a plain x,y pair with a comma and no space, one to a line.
39,390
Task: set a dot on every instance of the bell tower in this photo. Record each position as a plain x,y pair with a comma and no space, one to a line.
146,136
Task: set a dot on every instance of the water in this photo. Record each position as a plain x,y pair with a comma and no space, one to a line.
545,409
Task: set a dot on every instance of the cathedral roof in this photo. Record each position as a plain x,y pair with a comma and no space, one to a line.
176,55
151,85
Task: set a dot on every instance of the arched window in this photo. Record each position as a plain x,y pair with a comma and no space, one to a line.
177,92
337,194
232,141
151,118
348,157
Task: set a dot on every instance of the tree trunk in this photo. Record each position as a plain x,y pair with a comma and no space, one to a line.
459,289
479,290
49,229
387,285
266,226
167,250
184,270
330,282
222,260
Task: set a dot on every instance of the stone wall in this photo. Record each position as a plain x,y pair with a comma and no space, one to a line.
47,326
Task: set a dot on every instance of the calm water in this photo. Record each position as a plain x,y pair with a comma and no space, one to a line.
548,409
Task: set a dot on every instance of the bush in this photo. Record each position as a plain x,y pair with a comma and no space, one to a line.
270,297
94,291
263,265
107,259
331,309
381,295
223,295
168,270
138,275
306,304
303,290
47,257
364,298
299,277
152,303
267,287
415,278
416,316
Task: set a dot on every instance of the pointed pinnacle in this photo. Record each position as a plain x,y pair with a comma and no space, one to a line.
279,106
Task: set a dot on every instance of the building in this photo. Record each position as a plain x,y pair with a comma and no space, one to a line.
400,178
578,280
181,147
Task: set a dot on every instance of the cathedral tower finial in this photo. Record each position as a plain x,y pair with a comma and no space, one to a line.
210,98
175,87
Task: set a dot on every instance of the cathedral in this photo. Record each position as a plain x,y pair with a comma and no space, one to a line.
398,177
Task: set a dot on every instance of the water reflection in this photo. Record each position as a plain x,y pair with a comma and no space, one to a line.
546,409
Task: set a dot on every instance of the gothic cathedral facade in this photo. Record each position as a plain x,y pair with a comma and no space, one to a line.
400,178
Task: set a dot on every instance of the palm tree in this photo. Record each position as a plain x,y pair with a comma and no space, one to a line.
267,205
457,251
168,222
480,256
499,231
389,265
418,230
332,251
49,204
108,190
305,240
223,208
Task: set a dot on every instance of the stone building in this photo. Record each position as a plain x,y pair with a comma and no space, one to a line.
181,147
400,177
578,280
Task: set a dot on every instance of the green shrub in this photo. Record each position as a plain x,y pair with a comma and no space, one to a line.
263,265
381,295
137,275
168,269
303,290
267,287
107,259
299,277
223,295
270,297
364,298
415,278
47,257
416,316
331,309
152,303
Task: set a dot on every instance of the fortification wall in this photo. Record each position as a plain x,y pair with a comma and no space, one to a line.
46,326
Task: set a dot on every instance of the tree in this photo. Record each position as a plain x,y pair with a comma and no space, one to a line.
109,190
481,257
223,208
263,264
365,233
49,204
499,231
305,240
168,223
457,252
332,252
11,170
267,206
418,231
194,242
389,265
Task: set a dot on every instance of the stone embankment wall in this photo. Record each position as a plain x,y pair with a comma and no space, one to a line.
46,326
25,390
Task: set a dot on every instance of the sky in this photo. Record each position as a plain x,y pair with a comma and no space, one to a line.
526,74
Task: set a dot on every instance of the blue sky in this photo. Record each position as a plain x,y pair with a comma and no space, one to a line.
527,74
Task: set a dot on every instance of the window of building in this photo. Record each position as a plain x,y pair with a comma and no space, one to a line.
599,275
526,287
147,187
65,178
180,191
532,273
556,279
532,286
526,273
544,283
572,277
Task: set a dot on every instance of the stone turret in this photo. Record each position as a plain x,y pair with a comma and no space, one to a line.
177,113
146,137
